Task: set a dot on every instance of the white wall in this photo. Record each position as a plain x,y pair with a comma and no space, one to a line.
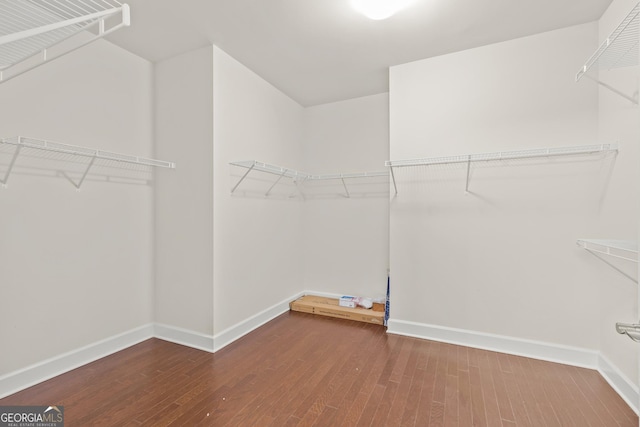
346,240
184,197
257,241
70,261
618,219
502,259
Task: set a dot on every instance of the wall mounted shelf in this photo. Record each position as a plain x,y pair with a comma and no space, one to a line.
498,156
34,32
624,249
299,177
619,50
73,153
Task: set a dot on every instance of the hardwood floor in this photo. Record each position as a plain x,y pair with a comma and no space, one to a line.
303,370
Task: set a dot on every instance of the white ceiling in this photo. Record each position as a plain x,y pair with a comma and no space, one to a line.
319,51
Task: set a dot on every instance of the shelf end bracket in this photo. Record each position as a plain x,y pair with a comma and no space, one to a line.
84,175
393,179
633,99
345,187
243,177
619,270
274,184
466,187
10,168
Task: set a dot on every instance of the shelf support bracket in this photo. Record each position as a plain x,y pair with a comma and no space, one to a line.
243,177
466,188
84,175
297,184
274,184
629,329
633,99
393,179
10,168
595,254
345,187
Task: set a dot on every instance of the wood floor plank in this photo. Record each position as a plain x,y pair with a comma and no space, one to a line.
400,362
489,394
478,410
378,346
366,417
326,418
566,406
614,404
451,401
369,380
304,370
397,407
452,359
437,414
382,411
346,402
463,359
430,350
441,374
410,413
502,395
535,368
520,416
465,417
523,380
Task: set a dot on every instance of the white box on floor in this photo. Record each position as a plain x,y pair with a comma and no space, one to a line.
347,301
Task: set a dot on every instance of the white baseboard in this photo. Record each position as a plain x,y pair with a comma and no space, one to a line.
528,348
49,368
619,382
183,336
42,371
26,377
239,330
534,349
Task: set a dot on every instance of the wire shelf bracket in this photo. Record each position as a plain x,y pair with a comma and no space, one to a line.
621,249
22,143
299,178
497,156
5,180
619,50
34,32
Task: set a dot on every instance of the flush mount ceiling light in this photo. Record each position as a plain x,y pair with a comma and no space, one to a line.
379,9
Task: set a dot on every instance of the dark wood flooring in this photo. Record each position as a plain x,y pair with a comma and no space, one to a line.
303,370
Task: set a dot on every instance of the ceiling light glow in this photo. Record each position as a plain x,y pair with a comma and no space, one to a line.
379,9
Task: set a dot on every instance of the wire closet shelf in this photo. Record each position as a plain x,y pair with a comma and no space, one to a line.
623,249
498,156
297,176
618,50
33,32
91,156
